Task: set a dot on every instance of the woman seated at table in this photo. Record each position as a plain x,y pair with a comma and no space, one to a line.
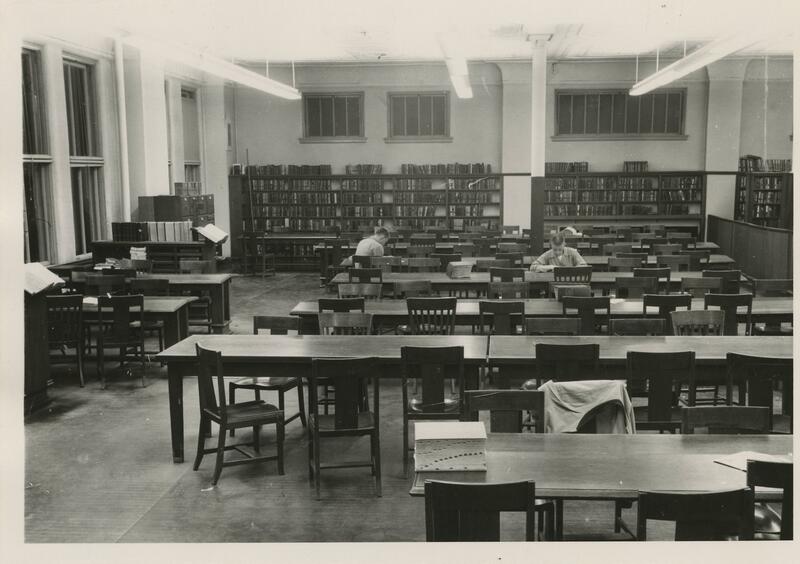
371,246
558,255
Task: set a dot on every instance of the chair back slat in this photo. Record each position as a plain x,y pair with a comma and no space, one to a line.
506,274
345,323
730,304
64,320
431,366
365,275
635,286
121,312
698,322
350,379
501,317
699,287
573,274
506,408
664,373
209,366
587,310
432,316
730,279
666,304
276,325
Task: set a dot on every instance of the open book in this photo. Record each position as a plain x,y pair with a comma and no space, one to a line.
739,460
39,279
212,233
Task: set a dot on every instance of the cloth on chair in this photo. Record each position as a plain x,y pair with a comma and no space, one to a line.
568,404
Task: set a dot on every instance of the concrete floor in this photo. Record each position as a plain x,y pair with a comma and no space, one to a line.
98,466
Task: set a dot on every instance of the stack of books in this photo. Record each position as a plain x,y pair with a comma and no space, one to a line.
634,166
447,446
138,253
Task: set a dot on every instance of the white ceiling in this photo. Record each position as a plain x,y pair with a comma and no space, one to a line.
360,30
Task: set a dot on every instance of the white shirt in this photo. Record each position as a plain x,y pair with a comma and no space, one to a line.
369,247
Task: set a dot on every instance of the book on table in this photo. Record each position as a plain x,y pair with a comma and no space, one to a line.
447,446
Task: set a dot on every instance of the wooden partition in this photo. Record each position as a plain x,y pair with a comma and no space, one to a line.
760,252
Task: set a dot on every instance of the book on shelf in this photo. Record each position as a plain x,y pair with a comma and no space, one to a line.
565,167
634,166
750,163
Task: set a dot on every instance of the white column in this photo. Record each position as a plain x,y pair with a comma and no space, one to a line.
538,103
175,112
213,152
122,130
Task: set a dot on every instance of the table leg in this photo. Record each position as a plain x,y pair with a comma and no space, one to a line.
183,324
217,308
226,293
172,328
559,519
175,383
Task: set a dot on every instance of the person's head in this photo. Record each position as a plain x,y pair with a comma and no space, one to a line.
381,235
557,243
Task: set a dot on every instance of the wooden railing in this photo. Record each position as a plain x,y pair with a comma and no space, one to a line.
760,252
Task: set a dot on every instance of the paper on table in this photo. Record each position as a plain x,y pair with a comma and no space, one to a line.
739,460
90,300
38,278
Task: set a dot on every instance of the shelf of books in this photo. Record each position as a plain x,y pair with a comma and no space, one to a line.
764,198
624,196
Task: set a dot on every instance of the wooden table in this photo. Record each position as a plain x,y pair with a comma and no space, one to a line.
248,355
600,263
173,311
218,287
478,281
614,467
390,312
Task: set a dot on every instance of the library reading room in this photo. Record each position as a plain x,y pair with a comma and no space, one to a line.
367,272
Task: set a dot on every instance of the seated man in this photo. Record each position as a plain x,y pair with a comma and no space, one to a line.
558,255
370,246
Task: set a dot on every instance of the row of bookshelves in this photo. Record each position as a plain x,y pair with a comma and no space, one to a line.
764,199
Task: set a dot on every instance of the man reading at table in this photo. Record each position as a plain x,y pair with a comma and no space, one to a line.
558,255
370,246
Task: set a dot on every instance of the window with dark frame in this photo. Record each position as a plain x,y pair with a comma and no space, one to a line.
37,207
419,114
333,115
86,163
616,113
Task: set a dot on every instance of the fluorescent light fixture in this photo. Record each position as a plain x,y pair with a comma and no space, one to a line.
704,56
213,65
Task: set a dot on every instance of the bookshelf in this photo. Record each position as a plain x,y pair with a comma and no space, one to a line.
625,196
764,198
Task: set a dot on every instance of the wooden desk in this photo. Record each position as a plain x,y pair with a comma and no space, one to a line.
600,263
478,281
614,467
172,311
390,312
218,287
247,355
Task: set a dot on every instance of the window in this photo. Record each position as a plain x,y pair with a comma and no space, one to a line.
192,184
37,199
88,206
615,112
419,115
333,115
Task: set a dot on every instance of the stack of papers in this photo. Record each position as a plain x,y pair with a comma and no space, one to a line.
449,446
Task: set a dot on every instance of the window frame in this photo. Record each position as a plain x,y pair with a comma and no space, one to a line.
664,136
446,138
94,140
306,138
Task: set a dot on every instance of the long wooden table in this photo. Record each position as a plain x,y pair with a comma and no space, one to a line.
478,281
173,311
247,355
390,312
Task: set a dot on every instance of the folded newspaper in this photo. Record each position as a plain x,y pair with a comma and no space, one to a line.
447,446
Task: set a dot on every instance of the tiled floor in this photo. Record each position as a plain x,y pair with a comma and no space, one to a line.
99,469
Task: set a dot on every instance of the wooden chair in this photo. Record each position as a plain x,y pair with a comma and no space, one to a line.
553,326
515,259
642,257
362,261
387,263
152,287
662,374
567,362
352,417
765,474
65,329
341,304
629,287
612,249
587,311
429,367
365,276
280,384
431,316
420,250
367,291
698,322
730,279
255,257
772,288
411,289
199,310
699,287
668,249
506,409
344,323
445,259
698,259
730,304
676,263
699,516
506,274
253,414
501,317
666,304
105,284
618,264
726,420
756,377
331,255
423,264
572,274
508,291
465,250
483,265
120,321
641,327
